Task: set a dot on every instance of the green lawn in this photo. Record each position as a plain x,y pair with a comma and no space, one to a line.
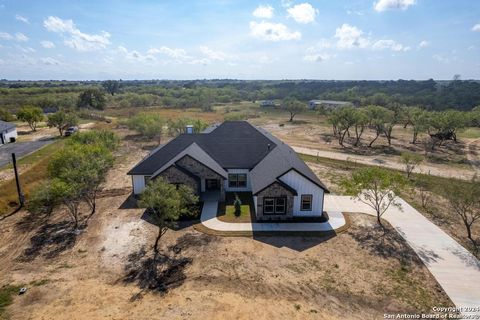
226,210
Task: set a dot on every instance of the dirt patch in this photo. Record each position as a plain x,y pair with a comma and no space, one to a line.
107,272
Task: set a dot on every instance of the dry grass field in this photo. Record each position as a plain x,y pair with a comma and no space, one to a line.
104,271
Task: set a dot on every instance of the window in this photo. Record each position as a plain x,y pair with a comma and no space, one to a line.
269,206
306,202
147,179
274,205
237,180
280,205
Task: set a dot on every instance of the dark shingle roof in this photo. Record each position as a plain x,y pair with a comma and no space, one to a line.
5,126
278,162
233,144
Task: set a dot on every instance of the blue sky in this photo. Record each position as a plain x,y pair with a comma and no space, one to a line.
282,39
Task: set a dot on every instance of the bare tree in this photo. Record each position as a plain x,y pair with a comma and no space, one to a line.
465,203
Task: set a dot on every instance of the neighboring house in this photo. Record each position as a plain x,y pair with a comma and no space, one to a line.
267,103
8,132
235,156
327,104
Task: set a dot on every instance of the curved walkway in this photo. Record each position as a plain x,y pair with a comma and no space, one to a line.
454,268
209,220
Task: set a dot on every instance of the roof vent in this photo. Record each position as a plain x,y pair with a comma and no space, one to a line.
189,129
268,146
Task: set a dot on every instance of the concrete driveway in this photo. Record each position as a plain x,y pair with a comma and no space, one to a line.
454,267
21,149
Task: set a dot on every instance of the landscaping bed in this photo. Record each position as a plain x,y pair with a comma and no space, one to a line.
226,210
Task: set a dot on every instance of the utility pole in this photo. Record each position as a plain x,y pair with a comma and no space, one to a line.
21,197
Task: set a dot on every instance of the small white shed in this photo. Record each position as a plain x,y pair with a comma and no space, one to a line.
8,132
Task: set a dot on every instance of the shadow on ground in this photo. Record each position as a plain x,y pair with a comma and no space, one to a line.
292,241
388,244
50,240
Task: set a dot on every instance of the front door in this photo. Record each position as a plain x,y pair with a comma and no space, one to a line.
212,184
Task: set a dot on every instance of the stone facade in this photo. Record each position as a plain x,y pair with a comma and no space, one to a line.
275,190
177,176
201,171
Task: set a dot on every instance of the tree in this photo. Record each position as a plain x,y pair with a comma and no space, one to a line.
293,106
346,119
445,125
92,98
30,115
465,202
376,187
361,121
410,160
111,86
83,166
103,138
149,125
419,120
5,115
75,174
166,204
177,126
378,116
237,203
62,120
391,120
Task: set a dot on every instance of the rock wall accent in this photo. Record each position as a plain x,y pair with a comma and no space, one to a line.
275,190
177,176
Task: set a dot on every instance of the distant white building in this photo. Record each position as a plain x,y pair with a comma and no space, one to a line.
267,103
327,104
8,132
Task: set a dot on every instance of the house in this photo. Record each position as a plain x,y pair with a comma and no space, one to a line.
267,103
327,104
235,156
8,132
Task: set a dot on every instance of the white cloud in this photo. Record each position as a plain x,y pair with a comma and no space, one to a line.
272,31
316,57
313,55
135,55
476,27
286,3
265,12
424,44
383,5
213,55
389,44
5,36
50,61
47,44
302,13
22,19
26,49
74,38
350,37
175,53
21,37
440,58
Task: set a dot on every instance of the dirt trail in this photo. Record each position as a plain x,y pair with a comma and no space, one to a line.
472,155
384,161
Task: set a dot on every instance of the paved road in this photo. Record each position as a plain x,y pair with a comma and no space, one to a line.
454,268
209,220
20,149
383,161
